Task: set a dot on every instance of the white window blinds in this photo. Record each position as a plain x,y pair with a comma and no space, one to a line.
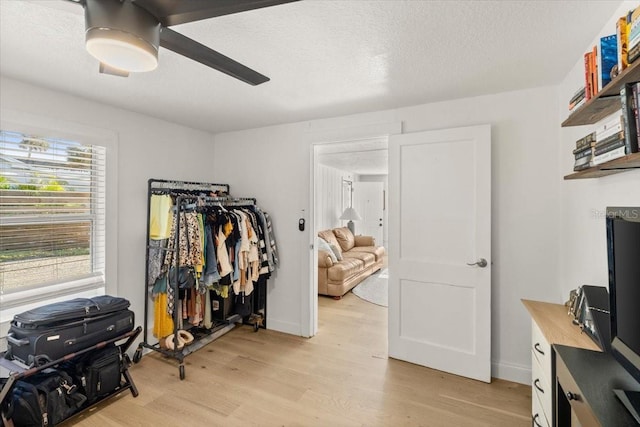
52,212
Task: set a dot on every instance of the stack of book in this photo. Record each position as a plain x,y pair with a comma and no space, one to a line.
609,140
584,152
577,99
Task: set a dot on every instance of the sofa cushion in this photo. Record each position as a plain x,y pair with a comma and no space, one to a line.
330,238
336,251
344,269
345,238
324,246
367,259
378,251
365,241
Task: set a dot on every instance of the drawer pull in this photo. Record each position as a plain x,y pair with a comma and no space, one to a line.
536,384
538,349
572,396
535,420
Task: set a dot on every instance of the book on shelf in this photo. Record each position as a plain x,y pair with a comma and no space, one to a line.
633,27
585,152
608,147
578,104
617,136
593,71
633,53
608,156
582,167
588,89
635,95
585,141
608,57
576,99
622,36
628,119
582,161
609,127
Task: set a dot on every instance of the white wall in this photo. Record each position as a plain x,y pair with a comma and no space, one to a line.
583,202
329,204
526,188
147,148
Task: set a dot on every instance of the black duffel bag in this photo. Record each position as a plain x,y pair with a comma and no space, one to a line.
44,399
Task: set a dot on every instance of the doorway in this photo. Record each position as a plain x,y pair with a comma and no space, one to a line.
349,175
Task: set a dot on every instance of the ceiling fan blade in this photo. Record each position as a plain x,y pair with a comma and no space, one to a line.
171,12
185,46
80,2
107,69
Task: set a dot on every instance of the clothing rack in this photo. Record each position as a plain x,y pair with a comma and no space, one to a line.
190,196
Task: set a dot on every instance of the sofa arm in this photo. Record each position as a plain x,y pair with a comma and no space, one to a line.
324,260
365,241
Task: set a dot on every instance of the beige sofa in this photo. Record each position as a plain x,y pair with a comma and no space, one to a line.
360,258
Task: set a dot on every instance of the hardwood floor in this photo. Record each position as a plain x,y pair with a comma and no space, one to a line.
341,377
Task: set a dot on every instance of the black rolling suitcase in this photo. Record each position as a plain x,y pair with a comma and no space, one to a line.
52,331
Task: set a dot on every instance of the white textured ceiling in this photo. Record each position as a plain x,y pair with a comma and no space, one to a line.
362,157
324,58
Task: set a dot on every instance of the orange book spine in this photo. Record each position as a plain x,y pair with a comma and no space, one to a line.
587,78
594,70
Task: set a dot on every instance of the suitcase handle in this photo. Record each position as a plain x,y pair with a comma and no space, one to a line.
19,343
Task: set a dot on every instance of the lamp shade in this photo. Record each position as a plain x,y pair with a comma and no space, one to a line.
350,214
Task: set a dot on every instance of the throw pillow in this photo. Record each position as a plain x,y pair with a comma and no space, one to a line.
324,246
336,252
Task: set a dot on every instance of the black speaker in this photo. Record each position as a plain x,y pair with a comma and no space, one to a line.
593,315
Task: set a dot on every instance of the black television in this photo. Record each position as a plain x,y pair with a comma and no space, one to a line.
623,253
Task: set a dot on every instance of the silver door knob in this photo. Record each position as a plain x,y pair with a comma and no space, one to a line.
482,263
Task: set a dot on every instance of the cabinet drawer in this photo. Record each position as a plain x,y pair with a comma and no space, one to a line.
541,388
538,418
579,406
541,350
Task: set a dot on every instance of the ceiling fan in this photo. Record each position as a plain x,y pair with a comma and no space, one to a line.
125,35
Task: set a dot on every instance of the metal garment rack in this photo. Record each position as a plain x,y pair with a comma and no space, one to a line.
188,195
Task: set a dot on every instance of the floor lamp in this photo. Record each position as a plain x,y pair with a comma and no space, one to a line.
350,214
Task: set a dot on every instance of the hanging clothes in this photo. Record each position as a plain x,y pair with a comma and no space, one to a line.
160,219
230,248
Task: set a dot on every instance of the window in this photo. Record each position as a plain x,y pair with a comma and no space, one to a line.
52,213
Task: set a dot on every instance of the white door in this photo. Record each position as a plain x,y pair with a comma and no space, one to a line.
440,220
368,202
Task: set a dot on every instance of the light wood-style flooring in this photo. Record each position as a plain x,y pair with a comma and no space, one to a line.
341,377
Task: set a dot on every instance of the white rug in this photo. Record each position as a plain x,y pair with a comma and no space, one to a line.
374,288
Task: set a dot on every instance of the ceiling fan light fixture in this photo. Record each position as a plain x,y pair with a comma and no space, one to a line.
121,50
122,35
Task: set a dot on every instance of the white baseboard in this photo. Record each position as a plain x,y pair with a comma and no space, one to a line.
510,372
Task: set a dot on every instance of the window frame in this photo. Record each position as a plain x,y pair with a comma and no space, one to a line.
34,124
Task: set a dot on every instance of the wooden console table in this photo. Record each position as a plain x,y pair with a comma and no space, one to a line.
550,325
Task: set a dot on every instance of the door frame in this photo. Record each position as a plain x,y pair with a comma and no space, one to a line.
309,294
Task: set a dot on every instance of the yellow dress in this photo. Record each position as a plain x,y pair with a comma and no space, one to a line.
162,321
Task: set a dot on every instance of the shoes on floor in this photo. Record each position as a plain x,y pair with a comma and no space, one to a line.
183,338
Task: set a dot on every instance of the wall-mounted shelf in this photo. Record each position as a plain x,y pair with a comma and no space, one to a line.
623,164
606,102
